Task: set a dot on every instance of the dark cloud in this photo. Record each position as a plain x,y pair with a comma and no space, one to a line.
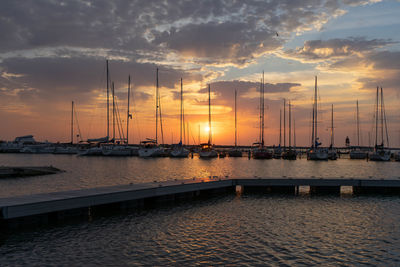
215,31
223,88
83,79
336,48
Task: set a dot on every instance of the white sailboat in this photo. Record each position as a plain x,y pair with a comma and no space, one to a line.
316,152
179,151
122,149
150,147
96,143
260,151
290,153
207,150
332,153
357,153
235,152
380,153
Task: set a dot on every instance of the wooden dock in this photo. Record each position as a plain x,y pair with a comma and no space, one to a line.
57,206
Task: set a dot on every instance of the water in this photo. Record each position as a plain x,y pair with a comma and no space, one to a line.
87,172
230,230
226,230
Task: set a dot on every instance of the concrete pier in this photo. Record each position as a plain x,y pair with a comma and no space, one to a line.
58,206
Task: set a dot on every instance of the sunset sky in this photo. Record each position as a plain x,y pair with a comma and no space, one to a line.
53,52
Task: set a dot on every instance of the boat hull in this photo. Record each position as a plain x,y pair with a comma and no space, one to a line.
358,154
235,153
317,155
262,154
93,151
380,155
289,155
179,153
208,154
150,152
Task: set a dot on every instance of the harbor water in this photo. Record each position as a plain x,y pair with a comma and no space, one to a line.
245,229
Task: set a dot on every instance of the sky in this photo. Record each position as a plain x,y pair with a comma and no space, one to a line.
54,52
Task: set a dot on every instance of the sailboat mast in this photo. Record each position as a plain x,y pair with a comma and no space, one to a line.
113,115
332,138
263,113
376,116
156,105
280,127
382,116
181,116
128,114
284,123
316,110
294,132
209,114
358,127
235,119
108,102
290,126
72,123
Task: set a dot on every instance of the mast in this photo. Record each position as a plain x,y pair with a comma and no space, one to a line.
382,116
181,116
199,135
316,111
280,127
284,123
235,119
294,133
260,124
332,138
113,115
209,115
358,127
376,116
129,116
290,127
161,125
157,105
108,102
263,113
72,123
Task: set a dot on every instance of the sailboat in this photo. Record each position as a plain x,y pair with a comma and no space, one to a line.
380,153
278,150
235,152
290,153
316,152
150,147
260,151
207,150
68,148
332,153
122,149
357,153
95,144
179,151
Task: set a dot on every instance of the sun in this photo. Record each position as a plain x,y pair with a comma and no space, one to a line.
207,129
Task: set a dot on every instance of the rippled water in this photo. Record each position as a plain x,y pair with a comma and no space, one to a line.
87,172
226,230
231,230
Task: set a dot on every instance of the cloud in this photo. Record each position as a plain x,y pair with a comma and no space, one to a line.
209,31
320,50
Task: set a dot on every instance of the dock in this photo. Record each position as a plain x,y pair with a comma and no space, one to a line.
58,206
